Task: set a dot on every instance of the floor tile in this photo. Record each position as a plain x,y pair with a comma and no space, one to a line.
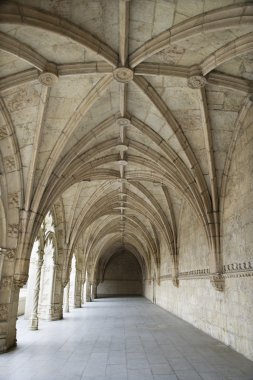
120,339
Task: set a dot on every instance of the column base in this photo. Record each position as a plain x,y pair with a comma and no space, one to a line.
34,324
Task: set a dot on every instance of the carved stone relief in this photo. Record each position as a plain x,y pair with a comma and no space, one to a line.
13,230
6,282
197,81
3,133
9,164
171,54
10,254
13,200
3,312
24,97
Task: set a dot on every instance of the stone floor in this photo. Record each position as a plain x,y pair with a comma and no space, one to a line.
120,339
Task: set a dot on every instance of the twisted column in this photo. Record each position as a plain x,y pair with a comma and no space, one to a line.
66,303
34,316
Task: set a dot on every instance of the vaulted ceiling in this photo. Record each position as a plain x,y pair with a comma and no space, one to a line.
119,111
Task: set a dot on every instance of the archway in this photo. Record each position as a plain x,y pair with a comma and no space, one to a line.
122,276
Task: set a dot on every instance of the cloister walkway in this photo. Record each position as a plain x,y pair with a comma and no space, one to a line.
120,339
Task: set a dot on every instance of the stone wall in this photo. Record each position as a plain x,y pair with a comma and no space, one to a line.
122,276
226,315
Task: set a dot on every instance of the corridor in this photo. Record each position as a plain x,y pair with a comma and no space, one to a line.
120,339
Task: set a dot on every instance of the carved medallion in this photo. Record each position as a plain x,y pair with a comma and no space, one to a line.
123,74
121,147
123,162
48,79
197,81
123,122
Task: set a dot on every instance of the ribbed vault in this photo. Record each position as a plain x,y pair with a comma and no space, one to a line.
110,118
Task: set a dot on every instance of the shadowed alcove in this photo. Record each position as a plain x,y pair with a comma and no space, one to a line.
122,276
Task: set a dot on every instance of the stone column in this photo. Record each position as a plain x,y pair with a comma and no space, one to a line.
9,298
82,293
57,294
77,290
8,312
34,316
66,298
93,291
88,291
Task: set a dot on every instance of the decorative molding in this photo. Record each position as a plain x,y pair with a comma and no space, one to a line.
153,68
18,79
123,74
196,81
194,274
231,82
165,277
234,270
85,68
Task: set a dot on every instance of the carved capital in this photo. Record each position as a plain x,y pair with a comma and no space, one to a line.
217,282
20,280
196,81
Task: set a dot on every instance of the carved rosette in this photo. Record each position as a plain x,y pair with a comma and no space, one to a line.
123,74
196,81
217,282
48,79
